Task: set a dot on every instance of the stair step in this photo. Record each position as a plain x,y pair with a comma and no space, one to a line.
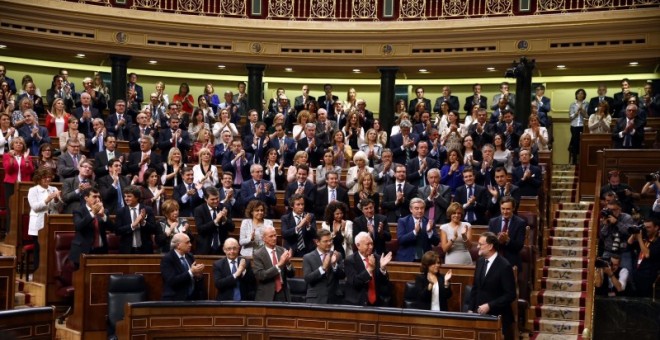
549,312
569,232
576,206
19,299
559,326
571,222
564,184
566,262
573,214
550,336
564,273
567,251
563,285
579,242
557,298
558,166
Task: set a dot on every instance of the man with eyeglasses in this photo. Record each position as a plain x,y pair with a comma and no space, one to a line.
119,122
233,275
73,188
67,163
629,130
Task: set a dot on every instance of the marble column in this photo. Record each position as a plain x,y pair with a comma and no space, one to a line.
119,81
255,86
524,90
387,92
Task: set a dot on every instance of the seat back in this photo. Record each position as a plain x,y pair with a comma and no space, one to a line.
464,299
409,295
113,243
297,288
123,289
64,271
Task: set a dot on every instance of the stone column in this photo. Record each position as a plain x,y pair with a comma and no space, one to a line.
524,90
387,92
119,75
255,86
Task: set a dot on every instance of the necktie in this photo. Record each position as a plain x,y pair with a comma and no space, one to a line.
257,155
432,213
97,233
371,294
237,289
100,141
300,243
75,161
470,214
186,266
120,197
505,229
501,192
215,242
627,140
120,133
111,155
333,195
239,173
485,268
144,168
400,189
278,279
509,142
137,239
176,139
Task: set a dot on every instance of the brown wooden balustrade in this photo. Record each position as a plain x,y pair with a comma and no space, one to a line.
253,320
36,323
7,282
634,166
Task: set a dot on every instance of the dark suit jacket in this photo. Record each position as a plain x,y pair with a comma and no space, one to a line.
322,199
71,198
413,102
380,239
65,166
515,135
111,122
593,104
383,180
529,186
412,170
452,101
510,250
248,189
440,203
620,101
206,228
309,192
177,280
225,282
322,288
33,143
424,295
420,129
329,105
101,163
186,209
479,207
266,273
394,210
83,240
109,193
497,289
245,165
315,155
135,134
125,232
469,102
290,235
37,100
485,137
398,155
357,282
135,158
165,142
299,105
636,140
410,244
290,151
494,208
257,157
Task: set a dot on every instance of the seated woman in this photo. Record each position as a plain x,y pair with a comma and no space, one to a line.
252,227
451,173
72,133
455,237
205,172
355,172
600,121
432,288
538,133
367,188
341,229
204,141
327,166
43,199
171,225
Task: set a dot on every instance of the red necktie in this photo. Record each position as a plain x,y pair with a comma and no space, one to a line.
506,225
278,279
97,234
371,295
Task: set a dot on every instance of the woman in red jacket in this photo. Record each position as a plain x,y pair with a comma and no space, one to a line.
57,120
18,168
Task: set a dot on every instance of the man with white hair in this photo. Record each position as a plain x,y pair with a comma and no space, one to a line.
367,281
183,278
366,117
404,144
272,266
416,233
629,130
86,113
325,128
257,188
312,145
233,274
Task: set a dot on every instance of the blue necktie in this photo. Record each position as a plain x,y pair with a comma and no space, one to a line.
120,198
186,266
470,214
237,289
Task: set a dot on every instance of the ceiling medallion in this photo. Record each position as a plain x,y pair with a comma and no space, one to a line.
121,37
387,49
522,45
256,47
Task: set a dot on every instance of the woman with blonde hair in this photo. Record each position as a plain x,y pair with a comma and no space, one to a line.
205,172
253,226
456,236
356,171
301,157
600,121
57,120
72,133
224,123
173,168
350,104
367,188
538,133
204,141
163,98
299,127
371,147
171,225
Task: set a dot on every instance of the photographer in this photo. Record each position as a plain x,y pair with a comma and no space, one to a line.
611,279
652,187
623,191
614,225
645,244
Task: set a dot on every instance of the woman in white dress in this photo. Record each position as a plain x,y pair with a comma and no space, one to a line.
455,237
43,199
252,227
599,121
223,124
538,133
341,230
205,172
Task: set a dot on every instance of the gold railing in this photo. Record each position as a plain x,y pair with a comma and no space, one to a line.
561,6
593,251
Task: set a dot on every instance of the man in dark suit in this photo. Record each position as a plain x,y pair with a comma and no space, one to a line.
367,280
10,81
61,90
323,269
111,186
68,162
173,137
229,195
629,130
621,98
502,189
384,170
312,145
95,143
417,168
527,177
365,116
397,196
494,287
135,94
140,161
257,188
183,278
415,233
504,94
213,223
475,99
602,97
331,192
285,145
303,187
482,131
486,172
419,93
223,146
423,129
510,231
33,134
31,94
97,99
135,224
247,131
301,101
119,123
403,145
272,267
436,196
473,197
86,113
238,162
452,101
325,128
142,128
102,159
511,130
543,106
189,195
73,188
373,224
257,144
233,275
327,102
91,223
298,227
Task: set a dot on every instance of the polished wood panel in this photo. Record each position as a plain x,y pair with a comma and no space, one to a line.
36,323
634,166
149,320
7,282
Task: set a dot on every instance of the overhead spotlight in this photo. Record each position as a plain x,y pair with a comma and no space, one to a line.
561,67
3,46
222,67
153,62
633,63
80,55
423,70
356,70
288,69
490,69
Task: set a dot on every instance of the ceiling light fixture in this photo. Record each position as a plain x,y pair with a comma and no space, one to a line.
423,70
80,55
222,67
561,67
153,62
3,46
288,69
634,63
490,69
356,70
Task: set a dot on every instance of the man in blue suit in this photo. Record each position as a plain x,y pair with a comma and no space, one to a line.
3,77
527,177
510,231
119,123
285,146
417,168
183,278
542,105
33,134
416,234
135,95
403,145
257,188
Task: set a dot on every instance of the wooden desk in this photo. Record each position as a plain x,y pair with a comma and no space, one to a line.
7,282
252,320
36,323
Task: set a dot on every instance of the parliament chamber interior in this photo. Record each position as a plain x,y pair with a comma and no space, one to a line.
263,169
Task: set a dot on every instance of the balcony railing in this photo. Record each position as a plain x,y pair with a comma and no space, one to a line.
371,10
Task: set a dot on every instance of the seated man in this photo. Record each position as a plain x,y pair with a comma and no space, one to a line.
73,188
510,231
111,186
397,196
436,196
135,224
302,187
323,269
67,162
272,266
367,281
233,274
257,188
91,223
416,234
213,223
527,177
298,227
373,224
183,278
473,197
237,162
189,195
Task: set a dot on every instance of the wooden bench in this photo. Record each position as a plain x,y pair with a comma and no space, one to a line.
36,323
7,282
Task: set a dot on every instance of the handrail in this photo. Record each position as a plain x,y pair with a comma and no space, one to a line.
593,251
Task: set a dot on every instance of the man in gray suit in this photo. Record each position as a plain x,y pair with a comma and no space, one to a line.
436,196
325,128
323,269
67,163
272,266
72,188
